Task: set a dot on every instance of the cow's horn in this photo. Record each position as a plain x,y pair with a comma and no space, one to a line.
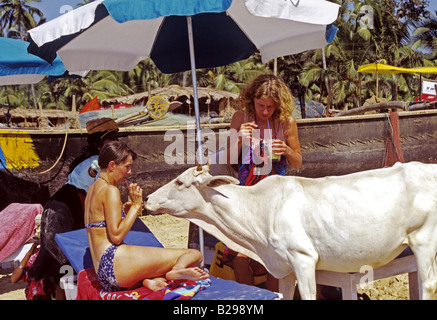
208,165
199,167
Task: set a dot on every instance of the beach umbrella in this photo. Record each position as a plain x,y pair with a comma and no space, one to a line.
117,34
18,67
385,68
183,35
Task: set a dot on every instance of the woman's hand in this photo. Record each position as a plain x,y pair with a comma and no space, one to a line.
136,193
135,199
246,129
279,147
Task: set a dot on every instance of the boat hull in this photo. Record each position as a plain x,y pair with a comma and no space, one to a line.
330,146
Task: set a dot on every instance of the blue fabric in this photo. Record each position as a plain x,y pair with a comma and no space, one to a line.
76,247
14,60
105,272
48,50
331,31
218,30
80,177
99,224
214,32
221,289
102,224
3,164
122,11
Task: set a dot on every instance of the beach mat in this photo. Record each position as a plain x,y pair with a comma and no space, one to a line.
221,289
75,246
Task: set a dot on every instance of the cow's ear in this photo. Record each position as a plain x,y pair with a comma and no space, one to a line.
216,181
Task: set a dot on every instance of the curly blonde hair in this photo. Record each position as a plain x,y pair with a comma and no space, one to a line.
268,86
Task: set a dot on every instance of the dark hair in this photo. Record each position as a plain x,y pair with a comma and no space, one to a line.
114,151
95,142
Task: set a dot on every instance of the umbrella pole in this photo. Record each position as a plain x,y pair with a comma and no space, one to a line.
197,111
33,95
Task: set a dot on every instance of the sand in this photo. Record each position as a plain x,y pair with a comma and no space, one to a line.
173,233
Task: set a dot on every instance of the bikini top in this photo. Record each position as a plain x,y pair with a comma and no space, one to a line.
102,224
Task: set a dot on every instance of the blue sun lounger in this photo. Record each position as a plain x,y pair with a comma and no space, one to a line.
75,246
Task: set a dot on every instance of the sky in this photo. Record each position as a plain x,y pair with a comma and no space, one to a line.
54,8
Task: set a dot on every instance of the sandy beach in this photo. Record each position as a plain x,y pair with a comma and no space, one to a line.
173,233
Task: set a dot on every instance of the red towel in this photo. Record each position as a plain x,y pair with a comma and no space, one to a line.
17,225
89,288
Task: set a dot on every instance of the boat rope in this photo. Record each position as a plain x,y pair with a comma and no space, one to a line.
45,171
60,155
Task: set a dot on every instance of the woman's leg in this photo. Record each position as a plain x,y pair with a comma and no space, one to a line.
186,266
133,264
242,271
272,283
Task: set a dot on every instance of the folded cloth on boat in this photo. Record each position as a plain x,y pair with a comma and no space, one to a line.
17,226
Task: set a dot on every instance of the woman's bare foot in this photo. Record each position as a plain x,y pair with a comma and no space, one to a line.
155,284
187,273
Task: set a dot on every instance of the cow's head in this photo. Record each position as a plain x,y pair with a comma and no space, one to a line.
184,194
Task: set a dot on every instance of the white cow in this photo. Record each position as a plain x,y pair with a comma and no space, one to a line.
300,224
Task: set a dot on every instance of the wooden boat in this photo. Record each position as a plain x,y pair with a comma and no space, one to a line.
35,162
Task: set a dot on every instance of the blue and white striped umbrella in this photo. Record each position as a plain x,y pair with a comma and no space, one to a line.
17,66
117,34
180,35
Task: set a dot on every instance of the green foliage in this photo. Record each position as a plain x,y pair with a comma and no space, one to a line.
396,32
372,31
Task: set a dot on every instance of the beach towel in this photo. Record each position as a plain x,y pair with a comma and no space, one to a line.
89,288
75,246
17,226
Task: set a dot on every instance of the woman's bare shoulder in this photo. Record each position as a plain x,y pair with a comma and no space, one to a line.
239,115
289,123
237,119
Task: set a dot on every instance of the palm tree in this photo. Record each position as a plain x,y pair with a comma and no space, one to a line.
425,35
361,40
14,96
343,56
232,77
392,41
101,84
18,14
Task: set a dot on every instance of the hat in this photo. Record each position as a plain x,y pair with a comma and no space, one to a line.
103,128
101,125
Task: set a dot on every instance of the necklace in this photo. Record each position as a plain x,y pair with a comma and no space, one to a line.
104,179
